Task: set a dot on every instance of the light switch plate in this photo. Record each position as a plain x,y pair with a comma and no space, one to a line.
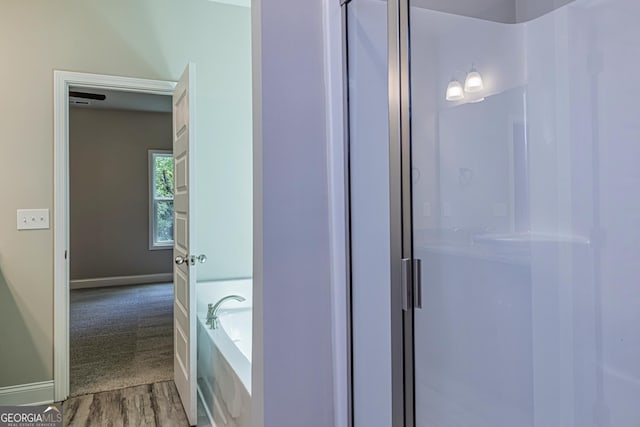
33,219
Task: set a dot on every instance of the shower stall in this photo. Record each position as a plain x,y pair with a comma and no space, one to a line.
494,212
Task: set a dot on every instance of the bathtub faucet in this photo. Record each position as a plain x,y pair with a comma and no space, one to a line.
212,313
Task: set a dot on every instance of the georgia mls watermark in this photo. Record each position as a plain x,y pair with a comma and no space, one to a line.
31,416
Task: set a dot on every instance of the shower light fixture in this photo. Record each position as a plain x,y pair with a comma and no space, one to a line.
473,82
455,91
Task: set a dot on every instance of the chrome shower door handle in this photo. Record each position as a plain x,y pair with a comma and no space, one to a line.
411,283
406,283
417,283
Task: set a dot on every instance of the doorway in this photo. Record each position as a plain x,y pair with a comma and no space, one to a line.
121,239
83,83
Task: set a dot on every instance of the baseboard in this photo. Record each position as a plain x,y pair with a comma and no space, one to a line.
27,394
102,282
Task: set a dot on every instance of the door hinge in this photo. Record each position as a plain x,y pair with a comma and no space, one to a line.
411,283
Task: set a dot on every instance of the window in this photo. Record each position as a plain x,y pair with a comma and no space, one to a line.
161,199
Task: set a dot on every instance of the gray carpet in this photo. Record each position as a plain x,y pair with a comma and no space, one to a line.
120,337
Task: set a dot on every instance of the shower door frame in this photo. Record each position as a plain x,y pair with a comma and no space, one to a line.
347,210
403,282
400,204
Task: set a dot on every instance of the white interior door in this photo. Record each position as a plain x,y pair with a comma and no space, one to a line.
184,277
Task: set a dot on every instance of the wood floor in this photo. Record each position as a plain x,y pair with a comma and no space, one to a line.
144,405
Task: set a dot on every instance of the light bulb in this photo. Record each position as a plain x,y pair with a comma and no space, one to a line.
474,82
455,91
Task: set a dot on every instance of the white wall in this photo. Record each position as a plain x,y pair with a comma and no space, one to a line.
370,232
223,162
149,39
583,134
292,261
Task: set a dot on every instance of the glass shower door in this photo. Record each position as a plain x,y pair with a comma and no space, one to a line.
525,214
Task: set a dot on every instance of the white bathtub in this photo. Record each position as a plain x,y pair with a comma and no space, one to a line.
233,340
224,361
236,323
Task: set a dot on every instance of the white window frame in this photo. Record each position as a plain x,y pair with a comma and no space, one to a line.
153,245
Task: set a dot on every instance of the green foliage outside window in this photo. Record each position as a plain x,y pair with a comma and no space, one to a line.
163,197
164,176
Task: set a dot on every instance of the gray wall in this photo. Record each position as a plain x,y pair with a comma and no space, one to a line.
21,341
151,39
109,192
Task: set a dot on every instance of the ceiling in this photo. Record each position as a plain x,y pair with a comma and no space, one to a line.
504,11
492,10
122,100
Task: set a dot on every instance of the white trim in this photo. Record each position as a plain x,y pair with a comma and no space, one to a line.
161,247
241,3
337,179
154,246
62,81
257,338
102,282
27,394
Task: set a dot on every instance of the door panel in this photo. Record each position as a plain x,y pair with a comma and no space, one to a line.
181,288
523,219
369,204
184,274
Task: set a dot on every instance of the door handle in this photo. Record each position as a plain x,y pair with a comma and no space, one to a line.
411,283
417,283
191,259
406,283
200,258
